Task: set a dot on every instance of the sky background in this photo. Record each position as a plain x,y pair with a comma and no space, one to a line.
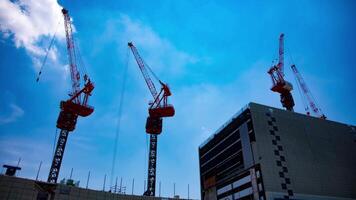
213,54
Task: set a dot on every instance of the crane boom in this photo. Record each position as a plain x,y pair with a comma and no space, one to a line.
307,94
72,57
144,71
281,54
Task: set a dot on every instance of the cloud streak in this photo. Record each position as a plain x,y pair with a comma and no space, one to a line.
157,51
16,113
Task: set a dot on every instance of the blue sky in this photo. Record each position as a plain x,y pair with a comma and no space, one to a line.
213,54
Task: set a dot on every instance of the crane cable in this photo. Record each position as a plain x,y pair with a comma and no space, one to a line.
149,68
54,142
118,126
47,52
80,63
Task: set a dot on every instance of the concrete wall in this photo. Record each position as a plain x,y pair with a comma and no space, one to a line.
320,155
14,188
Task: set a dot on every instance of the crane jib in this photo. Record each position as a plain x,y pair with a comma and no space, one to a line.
144,72
75,76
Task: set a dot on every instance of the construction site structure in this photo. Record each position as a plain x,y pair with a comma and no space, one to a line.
158,109
306,93
279,84
267,153
18,188
76,105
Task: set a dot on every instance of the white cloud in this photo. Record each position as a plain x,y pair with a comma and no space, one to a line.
16,112
31,25
28,20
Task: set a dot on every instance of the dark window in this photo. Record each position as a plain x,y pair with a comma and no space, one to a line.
229,165
249,197
227,130
287,180
220,158
220,147
249,125
282,158
276,152
270,123
290,192
284,186
281,174
252,137
271,132
274,142
275,128
278,138
279,163
285,169
280,147
273,119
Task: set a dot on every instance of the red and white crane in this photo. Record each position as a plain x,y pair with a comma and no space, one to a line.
307,95
280,85
76,105
158,109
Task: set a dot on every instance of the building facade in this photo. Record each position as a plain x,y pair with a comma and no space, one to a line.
268,153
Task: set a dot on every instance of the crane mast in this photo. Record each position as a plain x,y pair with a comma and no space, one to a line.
75,106
307,94
157,110
279,84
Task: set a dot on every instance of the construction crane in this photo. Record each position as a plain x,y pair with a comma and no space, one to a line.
76,105
307,95
158,109
280,85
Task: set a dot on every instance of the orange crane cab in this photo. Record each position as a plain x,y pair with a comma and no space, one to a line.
159,109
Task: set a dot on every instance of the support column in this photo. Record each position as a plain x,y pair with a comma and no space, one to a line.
58,156
152,160
246,147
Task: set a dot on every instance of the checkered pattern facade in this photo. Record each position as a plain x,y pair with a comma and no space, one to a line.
280,158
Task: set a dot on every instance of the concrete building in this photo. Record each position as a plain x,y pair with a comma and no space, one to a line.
268,153
14,188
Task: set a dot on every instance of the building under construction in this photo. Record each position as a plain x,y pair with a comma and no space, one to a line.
268,153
